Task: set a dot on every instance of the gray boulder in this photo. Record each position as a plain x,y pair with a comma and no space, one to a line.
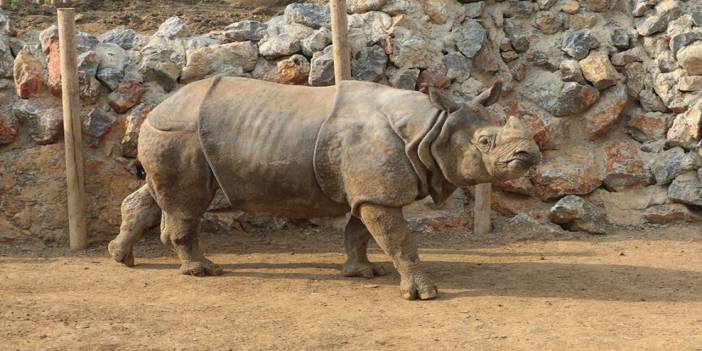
577,214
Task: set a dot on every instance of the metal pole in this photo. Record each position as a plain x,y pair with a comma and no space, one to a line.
72,130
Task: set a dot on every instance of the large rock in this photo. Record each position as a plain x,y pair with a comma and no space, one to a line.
404,78
112,60
432,78
413,49
672,163
173,27
519,35
369,64
577,214
690,58
686,189
244,31
666,11
293,70
690,83
624,167
670,214
469,37
44,118
577,44
682,40
599,71
651,102
319,40
548,22
647,126
322,68
458,67
136,117
442,11
125,38
127,95
90,87
596,5
278,46
635,74
367,29
560,173
361,6
231,59
97,124
29,74
601,117
164,55
311,15
558,98
8,128
666,86
582,21
685,131
548,131
570,72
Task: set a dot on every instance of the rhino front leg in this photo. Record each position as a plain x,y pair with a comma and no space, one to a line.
183,235
356,238
139,214
388,227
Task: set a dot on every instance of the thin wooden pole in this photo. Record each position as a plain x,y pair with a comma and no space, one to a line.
481,212
71,130
342,55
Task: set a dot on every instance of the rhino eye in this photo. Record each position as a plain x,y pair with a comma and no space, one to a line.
485,141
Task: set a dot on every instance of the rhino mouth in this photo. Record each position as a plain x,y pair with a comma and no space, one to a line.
523,158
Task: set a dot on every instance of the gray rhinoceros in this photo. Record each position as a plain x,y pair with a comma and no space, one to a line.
302,152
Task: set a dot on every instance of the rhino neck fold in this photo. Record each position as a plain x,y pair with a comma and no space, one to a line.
419,134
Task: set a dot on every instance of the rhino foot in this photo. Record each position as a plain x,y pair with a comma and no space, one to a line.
200,268
418,286
364,270
120,254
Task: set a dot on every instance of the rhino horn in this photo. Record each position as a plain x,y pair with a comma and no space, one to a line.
515,129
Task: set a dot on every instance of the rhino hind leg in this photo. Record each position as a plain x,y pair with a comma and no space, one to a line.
390,230
139,214
356,238
183,236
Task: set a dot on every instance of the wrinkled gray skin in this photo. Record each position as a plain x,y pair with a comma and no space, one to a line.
304,152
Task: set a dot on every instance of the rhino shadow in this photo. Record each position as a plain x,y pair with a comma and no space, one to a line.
607,282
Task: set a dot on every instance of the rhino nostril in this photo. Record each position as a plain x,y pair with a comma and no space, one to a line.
523,156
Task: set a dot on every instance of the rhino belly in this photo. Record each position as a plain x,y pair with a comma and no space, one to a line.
259,139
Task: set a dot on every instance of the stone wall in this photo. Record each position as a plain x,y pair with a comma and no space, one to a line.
610,89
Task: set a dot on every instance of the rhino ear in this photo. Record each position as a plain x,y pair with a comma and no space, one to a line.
490,96
442,101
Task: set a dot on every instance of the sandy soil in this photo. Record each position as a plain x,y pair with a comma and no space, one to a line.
281,290
98,16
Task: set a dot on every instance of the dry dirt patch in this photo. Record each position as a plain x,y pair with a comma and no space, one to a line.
98,16
281,290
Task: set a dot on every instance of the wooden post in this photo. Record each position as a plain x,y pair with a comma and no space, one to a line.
481,211
342,56
72,130
2,3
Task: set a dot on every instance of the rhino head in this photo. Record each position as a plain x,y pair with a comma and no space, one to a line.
473,148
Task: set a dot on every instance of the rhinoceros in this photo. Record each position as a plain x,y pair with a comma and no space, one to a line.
303,152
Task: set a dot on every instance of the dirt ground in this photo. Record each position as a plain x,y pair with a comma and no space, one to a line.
282,291
98,16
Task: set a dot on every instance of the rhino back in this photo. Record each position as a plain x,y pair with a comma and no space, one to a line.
259,139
